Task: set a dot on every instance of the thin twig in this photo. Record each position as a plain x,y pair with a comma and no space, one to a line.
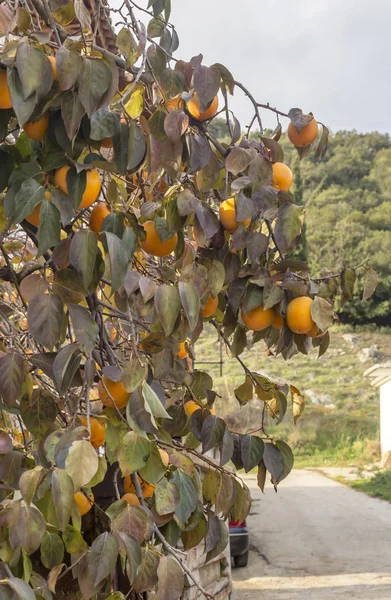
166,545
52,24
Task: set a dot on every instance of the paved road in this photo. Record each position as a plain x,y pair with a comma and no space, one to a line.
316,540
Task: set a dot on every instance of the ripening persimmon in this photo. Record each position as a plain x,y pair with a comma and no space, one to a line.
98,215
278,321
258,318
191,406
34,217
85,503
210,307
115,391
298,315
305,137
227,212
36,130
98,430
128,484
176,103
147,489
154,245
54,67
314,332
131,499
93,185
282,176
182,353
193,107
5,98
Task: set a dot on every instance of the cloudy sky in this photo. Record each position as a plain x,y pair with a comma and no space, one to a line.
331,57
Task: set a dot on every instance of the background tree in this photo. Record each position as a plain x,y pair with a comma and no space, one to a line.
127,224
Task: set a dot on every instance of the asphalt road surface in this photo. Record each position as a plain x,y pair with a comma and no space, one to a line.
315,540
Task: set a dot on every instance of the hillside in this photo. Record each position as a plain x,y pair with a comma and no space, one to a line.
340,423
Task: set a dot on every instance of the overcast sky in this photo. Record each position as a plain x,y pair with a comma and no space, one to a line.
331,57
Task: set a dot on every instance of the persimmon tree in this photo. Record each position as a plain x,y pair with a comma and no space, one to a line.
125,226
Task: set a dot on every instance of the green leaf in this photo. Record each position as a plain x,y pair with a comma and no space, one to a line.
104,124
172,82
23,108
192,538
29,482
212,432
29,195
155,28
65,368
83,254
134,521
121,142
137,147
288,227
322,312
238,160
30,527
72,112
226,77
82,15
152,400
239,341
45,318
11,377
167,306
63,493
118,258
133,453
217,541
206,84
134,374
84,326
348,279
81,463
127,46
251,450
52,550
187,496
171,579
156,125
34,70
273,462
190,302
370,284
50,227
68,286
68,68
146,577
216,277
76,185
287,459
73,540
38,412
154,469
157,59
23,591
94,80
175,125
244,393
103,557
132,551
166,497
10,465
